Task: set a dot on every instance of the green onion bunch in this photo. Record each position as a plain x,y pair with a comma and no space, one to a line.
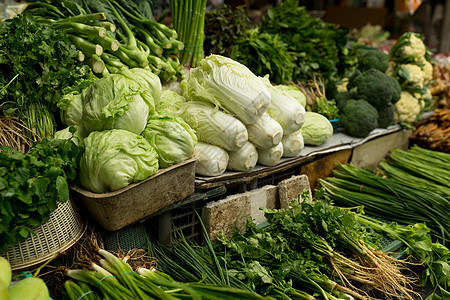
391,199
115,34
113,278
188,18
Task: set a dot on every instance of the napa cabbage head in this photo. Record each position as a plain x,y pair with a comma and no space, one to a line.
114,158
271,156
284,109
229,85
292,91
213,126
265,133
173,139
293,144
120,101
212,160
243,159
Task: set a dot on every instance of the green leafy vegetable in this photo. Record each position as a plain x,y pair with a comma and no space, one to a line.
230,85
112,159
173,139
32,184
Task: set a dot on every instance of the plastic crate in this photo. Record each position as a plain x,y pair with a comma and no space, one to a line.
184,216
275,178
131,237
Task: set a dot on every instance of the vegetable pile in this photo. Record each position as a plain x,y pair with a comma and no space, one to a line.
312,250
113,278
434,134
409,63
32,185
37,64
131,38
416,189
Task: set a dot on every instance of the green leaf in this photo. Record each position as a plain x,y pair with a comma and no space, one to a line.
62,189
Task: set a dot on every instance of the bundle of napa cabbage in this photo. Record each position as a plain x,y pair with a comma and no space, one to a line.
293,144
121,101
265,133
213,126
271,156
211,160
317,129
284,109
114,158
173,139
230,85
292,91
243,159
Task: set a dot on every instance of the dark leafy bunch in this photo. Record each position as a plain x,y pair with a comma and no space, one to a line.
223,26
36,63
285,252
32,184
319,47
265,53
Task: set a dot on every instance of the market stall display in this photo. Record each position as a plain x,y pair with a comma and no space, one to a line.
106,106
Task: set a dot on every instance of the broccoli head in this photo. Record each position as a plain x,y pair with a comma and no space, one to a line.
373,59
373,86
342,98
359,118
397,89
386,116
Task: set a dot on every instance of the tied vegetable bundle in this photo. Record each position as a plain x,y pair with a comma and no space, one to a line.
415,190
37,65
188,18
114,278
125,35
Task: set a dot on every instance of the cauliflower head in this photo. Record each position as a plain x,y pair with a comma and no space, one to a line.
416,76
427,69
416,47
407,108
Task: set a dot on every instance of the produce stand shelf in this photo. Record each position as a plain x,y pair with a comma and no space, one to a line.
339,141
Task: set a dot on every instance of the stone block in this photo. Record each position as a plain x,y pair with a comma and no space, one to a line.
227,214
289,189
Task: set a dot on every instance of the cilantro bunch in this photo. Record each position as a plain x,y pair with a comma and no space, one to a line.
32,184
37,62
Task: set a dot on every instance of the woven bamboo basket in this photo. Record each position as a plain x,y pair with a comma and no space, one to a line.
60,233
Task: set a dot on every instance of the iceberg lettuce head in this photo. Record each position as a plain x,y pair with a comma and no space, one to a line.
112,159
121,101
173,139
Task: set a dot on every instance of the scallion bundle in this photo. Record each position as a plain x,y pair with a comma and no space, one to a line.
389,199
188,18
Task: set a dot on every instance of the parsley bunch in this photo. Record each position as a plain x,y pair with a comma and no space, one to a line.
31,184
